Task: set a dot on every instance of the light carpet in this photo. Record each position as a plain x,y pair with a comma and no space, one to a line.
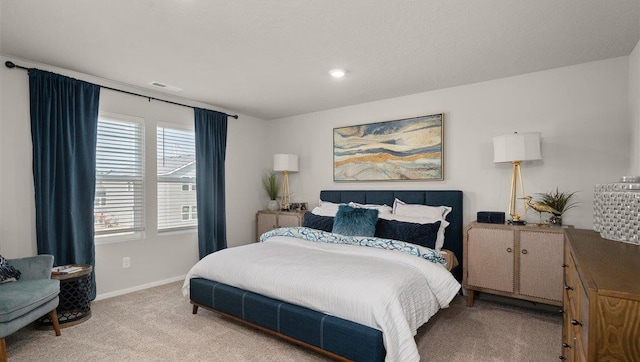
156,324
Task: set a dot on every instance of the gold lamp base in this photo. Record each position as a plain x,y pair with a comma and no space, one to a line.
517,175
286,198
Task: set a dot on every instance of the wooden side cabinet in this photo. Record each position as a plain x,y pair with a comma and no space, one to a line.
601,311
523,262
268,220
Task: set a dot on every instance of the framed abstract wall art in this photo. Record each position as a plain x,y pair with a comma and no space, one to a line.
404,149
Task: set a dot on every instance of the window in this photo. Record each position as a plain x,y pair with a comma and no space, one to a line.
176,154
185,213
119,202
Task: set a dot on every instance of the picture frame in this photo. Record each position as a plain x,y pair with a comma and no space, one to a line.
398,150
299,206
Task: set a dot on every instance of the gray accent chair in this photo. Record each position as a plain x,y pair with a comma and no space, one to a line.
34,295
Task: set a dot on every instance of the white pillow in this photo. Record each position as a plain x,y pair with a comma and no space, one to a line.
329,205
382,209
415,210
323,212
422,220
326,208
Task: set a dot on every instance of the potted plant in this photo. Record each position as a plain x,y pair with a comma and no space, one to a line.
272,187
560,201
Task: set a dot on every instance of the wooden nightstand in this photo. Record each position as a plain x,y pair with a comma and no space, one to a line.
268,220
523,262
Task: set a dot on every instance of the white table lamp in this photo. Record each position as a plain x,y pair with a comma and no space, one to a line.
516,148
285,163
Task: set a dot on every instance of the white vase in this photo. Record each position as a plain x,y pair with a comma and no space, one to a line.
273,205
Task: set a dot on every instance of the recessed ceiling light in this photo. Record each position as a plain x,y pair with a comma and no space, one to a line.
337,73
165,86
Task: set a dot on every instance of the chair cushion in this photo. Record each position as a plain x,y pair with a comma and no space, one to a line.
21,297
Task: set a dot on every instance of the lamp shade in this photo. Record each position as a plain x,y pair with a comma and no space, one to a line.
285,162
516,147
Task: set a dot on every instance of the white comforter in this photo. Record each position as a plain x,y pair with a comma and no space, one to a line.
387,290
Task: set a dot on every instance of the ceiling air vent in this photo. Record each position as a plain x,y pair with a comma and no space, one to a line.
166,86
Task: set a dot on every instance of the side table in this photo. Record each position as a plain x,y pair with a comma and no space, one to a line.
75,298
268,220
523,262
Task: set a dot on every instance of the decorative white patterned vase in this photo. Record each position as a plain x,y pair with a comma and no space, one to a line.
273,205
616,210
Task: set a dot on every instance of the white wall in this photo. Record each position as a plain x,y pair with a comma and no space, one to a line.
156,257
634,108
581,112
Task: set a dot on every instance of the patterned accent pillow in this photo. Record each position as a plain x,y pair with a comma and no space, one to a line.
355,221
7,272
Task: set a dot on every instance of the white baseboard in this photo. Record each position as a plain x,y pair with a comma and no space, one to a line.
139,287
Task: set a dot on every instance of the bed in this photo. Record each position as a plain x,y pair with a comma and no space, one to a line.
328,301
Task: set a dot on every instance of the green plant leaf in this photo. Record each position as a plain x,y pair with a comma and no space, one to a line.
271,185
561,201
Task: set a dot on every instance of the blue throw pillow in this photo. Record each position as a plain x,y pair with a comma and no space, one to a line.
355,221
7,272
313,221
419,234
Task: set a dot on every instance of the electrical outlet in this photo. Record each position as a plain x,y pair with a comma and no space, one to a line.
126,262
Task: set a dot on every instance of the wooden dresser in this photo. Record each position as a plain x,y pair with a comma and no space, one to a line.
601,301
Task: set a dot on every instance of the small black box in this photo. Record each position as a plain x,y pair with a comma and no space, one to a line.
490,217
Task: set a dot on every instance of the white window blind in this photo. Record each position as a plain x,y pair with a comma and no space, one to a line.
176,152
119,203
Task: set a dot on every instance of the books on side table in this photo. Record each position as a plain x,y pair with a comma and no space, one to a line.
65,269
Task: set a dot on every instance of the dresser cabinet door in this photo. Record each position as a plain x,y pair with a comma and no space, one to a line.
491,259
583,327
569,346
541,264
266,222
289,220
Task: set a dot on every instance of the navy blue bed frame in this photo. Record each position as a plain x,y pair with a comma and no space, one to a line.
337,338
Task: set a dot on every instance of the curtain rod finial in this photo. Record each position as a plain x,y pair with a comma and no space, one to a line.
9,64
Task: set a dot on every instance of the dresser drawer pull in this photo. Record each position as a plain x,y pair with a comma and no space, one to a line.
576,323
565,265
561,311
566,287
562,357
566,345
509,250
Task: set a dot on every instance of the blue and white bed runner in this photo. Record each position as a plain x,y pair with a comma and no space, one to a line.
320,236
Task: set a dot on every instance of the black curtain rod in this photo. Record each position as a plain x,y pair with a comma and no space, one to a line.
11,64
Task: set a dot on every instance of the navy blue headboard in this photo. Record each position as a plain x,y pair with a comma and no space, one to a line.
453,198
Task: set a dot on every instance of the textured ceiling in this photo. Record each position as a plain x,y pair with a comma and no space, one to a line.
270,59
